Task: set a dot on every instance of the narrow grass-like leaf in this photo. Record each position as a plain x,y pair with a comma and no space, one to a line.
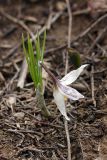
33,61
43,46
26,55
38,54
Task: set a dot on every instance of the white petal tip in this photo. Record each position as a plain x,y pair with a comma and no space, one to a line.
85,65
67,118
82,96
73,75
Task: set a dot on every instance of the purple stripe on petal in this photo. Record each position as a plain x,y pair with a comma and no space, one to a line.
69,92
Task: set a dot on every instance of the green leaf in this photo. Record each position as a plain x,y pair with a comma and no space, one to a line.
43,46
31,57
32,60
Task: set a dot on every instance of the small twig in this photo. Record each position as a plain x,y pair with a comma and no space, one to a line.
55,49
66,68
97,39
17,21
15,131
42,122
82,34
49,21
81,147
9,84
23,74
101,112
69,32
81,12
92,85
90,27
14,49
70,22
60,155
102,49
31,149
9,31
68,139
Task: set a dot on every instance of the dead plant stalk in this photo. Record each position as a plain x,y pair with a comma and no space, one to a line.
66,68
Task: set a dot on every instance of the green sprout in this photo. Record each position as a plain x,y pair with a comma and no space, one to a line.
35,68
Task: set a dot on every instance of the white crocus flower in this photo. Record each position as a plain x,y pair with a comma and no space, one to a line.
62,90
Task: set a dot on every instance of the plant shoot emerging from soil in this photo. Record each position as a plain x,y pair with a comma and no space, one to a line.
62,90
35,68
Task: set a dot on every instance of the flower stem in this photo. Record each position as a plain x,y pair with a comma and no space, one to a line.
50,74
41,103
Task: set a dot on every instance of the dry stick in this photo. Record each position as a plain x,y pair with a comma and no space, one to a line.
97,39
92,68
23,74
17,21
24,68
69,32
42,122
13,50
68,139
66,68
90,28
55,49
82,34
81,12
9,31
91,38
86,11
92,85
49,21
54,19
81,147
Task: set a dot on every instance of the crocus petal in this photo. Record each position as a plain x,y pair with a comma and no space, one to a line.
69,92
59,100
72,76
